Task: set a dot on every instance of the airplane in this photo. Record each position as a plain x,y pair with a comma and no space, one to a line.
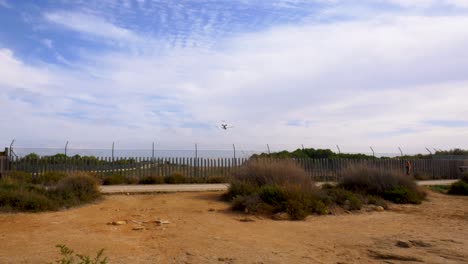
225,126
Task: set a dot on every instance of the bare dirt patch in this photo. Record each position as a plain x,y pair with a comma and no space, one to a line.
199,228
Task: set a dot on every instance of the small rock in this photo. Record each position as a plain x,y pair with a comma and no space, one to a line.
137,228
403,244
122,222
379,209
211,210
246,219
162,222
226,259
420,243
281,216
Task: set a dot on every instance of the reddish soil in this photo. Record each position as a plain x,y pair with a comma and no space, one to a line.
203,230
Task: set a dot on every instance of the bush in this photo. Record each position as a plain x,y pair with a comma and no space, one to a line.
49,178
344,198
389,185
151,180
273,195
23,200
18,176
464,177
74,189
269,186
402,195
376,200
240,188
272,172
459,188
175,178
251,204
114,179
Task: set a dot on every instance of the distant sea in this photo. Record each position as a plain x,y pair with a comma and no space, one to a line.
121,153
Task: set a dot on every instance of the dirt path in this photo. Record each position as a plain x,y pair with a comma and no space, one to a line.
123,189
154,188
203,230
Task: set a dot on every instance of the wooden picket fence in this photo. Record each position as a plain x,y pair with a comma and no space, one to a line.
4,164
318,169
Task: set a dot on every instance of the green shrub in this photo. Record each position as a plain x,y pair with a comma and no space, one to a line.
22,200
459,188
390,185
251,204
151,180
240,188
77,188
175,178
68,257
43,195
49,178
464,177
402,195
344,198
273,195
376,200
114,179
317,206
19,176
297,209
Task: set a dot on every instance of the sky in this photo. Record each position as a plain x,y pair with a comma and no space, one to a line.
318,73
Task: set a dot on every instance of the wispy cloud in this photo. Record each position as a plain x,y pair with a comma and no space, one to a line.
92,25
5,4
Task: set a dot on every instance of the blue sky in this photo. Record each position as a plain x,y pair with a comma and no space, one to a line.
385,73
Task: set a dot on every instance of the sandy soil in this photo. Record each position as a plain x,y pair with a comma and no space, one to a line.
203,230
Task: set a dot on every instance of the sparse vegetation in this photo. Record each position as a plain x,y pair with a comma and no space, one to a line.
439,188
21,192
68,256
174,178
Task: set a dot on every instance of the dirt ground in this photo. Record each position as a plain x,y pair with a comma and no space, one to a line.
203,230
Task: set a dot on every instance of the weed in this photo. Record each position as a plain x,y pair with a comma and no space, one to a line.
68,257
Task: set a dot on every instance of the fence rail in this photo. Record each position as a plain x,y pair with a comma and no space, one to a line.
318,169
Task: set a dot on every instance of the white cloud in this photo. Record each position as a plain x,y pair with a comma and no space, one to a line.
354,83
